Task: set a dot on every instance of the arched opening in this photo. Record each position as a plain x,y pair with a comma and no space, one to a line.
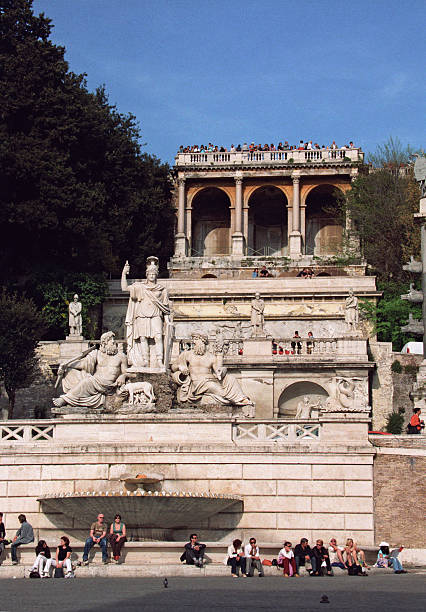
211,221
323,274
209,276
294,394
267,228
324,233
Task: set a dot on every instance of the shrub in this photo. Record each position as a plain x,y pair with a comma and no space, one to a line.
395,422
396,367
410,369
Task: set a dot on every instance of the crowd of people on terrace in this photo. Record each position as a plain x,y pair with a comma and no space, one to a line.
317,560
303,145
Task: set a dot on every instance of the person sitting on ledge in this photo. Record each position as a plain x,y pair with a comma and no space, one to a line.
415,425
252,554
287,561
303,554
98,531
321,557
387,558
235,558
117,537
42,552
335,553
194,552
63,559
24,535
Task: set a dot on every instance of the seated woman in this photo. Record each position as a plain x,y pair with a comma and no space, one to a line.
42,552
354,554
287,561
117,537
415,425
63,558
385,558
236,559
321,557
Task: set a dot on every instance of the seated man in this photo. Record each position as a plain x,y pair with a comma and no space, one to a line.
24,535
335,553
202,378
252,555
303,554
194,552
98,531
321,556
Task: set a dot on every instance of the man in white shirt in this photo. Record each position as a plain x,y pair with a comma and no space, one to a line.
335,554
252,555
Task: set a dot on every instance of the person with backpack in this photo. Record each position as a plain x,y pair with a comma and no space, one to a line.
415,425
42,552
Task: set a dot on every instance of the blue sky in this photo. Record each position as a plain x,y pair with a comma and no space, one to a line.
230,71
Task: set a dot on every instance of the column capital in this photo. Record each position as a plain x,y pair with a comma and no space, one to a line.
238,180
181,180
296,178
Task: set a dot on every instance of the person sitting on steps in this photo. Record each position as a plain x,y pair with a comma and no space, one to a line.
252,555
117,537
98,531
194,552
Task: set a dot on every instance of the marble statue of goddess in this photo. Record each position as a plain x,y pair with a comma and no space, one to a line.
351,310
147,312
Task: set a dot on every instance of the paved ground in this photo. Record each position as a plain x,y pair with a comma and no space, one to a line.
390,593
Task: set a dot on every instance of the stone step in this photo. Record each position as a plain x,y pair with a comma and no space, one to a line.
161,570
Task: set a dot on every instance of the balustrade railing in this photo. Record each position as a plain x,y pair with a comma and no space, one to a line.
27,433
272,157
303,346
275,432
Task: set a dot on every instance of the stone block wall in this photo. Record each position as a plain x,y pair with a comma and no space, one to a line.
399,495
288,492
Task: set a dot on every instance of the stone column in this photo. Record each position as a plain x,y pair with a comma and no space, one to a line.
295,237
180,239
237,236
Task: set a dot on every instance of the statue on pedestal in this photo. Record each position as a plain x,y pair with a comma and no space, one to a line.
257,317
75,321
147,319
351,310
202,378
89,378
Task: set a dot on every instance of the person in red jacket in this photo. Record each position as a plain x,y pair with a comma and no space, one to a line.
416,425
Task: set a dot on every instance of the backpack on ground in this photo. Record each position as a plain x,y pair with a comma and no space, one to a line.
354,570
34,574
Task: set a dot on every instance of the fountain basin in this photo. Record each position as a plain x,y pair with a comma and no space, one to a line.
140,509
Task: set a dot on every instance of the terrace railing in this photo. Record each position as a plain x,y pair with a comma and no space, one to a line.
211,158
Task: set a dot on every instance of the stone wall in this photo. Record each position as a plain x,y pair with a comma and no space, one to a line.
399,492
289,490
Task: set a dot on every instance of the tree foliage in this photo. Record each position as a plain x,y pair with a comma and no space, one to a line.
77,192
391,313
381,205
21,326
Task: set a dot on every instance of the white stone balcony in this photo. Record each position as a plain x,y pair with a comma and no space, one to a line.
261,158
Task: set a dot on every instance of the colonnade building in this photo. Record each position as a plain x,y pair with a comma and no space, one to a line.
236,210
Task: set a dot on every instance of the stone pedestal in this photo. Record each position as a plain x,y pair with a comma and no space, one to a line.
257,346
295,244
180,245
237,243
163,386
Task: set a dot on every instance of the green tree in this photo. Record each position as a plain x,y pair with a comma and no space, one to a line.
77,192
391,313
21,326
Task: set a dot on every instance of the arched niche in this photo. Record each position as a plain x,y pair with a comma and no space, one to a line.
324,233
211,222
267,222
294,393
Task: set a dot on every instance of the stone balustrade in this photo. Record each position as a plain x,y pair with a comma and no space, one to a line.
282,430
268,157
